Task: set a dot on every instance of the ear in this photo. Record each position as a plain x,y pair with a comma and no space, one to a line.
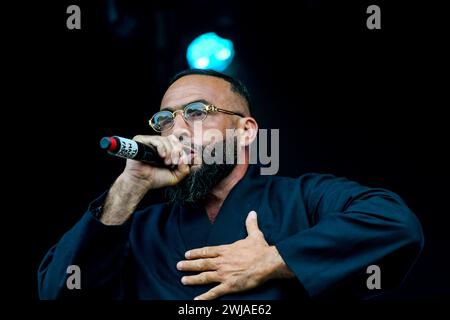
246,132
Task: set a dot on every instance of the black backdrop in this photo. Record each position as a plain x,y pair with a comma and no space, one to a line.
365,104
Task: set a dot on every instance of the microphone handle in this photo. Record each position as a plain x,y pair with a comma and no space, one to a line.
130,149
149,154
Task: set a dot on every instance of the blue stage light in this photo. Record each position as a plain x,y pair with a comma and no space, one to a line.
209,51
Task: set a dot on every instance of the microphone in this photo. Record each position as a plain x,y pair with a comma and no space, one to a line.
130,149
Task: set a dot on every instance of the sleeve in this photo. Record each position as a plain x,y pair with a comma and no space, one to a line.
353,227
98,250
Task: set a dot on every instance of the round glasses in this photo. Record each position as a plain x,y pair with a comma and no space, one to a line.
192,112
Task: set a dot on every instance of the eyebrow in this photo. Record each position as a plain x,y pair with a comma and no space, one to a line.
182,106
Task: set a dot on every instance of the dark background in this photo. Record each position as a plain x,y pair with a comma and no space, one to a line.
365,104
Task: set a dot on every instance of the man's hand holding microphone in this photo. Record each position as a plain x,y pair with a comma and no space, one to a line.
139,177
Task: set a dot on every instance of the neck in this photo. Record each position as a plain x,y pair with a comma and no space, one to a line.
217,196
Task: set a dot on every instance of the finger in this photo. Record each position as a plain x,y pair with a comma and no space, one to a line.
252,224
205,252
185,158
177,148
180,172
197,265
154,141
214,293
174,141
168,146
202,278
163,145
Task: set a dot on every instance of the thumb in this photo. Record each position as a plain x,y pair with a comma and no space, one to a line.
181,171
252,224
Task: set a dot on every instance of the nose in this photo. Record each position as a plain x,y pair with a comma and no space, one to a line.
178,122
180,128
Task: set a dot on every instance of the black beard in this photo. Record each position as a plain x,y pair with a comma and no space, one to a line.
199,183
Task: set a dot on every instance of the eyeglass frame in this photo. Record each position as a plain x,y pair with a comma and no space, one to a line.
208,107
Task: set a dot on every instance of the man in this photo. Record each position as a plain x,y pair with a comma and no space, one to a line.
228,232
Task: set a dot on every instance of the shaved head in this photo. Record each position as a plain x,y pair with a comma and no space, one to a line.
215,90
234,85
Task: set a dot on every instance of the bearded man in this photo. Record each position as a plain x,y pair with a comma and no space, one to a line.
226,231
